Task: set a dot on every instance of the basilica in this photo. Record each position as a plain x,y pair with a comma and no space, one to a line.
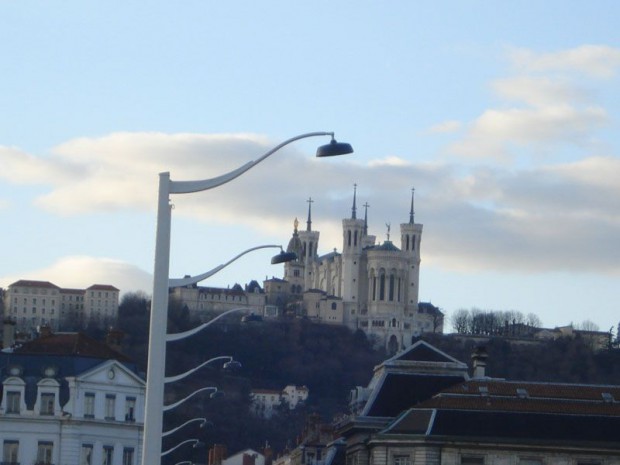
367,286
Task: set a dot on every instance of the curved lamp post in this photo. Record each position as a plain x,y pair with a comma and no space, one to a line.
215,393
159,306
172,379
203,423
187,441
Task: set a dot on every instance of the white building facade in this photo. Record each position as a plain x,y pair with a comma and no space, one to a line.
69,410
32,304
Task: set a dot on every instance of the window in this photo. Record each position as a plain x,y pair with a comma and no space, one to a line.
13,401
128,456
472,460
47,403
10,450
110,407
45,450
402,460
108,453
89,405
86,456
130,408
530,461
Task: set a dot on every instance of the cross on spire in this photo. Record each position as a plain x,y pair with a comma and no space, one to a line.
354,209
411,221
309,222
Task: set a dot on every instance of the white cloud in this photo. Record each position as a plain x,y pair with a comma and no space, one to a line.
83,271
446,127
538,114
594,60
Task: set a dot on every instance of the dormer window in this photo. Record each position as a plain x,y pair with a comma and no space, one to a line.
47,403
522,393
13,401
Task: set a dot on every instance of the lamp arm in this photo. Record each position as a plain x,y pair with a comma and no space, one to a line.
172,379
187,187
197,329
185,399
178,282
203,421
187,441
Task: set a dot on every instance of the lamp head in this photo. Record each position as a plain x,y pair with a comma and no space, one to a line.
334,148
283,257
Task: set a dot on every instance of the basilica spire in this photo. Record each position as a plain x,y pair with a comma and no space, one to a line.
309,222
366,218
411,221
354,209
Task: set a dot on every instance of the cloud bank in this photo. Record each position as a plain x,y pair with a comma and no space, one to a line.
517,207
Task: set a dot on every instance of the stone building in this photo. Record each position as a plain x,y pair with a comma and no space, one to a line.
68,399
368,286
32,304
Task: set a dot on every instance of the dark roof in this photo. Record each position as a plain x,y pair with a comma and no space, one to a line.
101,287
511,396
70,344
424,352
401,391
386,246
510,426
32,283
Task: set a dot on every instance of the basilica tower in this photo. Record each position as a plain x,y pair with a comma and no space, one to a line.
410,239
353,230
309,249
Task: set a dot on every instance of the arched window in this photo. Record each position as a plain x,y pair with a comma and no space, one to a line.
349,238
374,288
391,288
413,242
355,239
407,242
334,306
382,287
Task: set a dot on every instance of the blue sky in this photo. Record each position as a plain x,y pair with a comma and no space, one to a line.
503,116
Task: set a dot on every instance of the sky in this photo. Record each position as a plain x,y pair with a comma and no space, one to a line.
504,117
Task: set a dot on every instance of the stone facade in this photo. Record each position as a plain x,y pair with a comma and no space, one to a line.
368,286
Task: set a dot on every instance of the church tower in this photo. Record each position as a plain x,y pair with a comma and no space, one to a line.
309,248
294,270
353,234
410,239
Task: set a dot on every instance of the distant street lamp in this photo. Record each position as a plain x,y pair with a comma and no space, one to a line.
196,443
202,421
161,283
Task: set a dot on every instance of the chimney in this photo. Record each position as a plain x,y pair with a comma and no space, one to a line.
479,362
45,331
113,339
249,459
217,454
268,453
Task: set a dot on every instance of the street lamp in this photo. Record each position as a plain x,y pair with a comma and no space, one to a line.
203,422
196,443
159,306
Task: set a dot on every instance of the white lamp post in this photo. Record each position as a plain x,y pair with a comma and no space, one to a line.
159,306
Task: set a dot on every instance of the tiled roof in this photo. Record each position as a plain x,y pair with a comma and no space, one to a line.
507,396
400,391
519,427
31,283
101,287
70,344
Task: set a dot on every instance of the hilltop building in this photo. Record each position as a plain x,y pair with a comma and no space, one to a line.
368,286
69,399
32,304
265,401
